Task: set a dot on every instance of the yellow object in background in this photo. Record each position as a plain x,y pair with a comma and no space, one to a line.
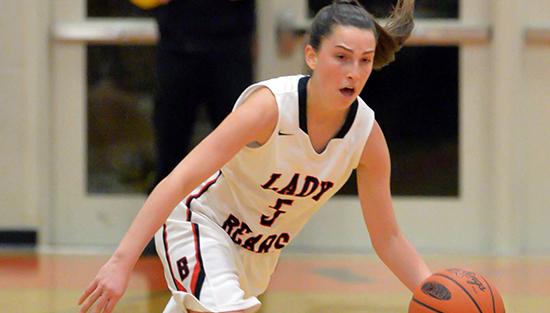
146,4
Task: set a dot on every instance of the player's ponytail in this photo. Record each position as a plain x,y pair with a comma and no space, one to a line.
393,35
390,38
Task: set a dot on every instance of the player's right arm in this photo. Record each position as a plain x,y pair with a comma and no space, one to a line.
253,121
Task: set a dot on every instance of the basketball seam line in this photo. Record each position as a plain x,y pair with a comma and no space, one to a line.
492,296
466,291
427,306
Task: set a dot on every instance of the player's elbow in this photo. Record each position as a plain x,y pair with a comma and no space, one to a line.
382,242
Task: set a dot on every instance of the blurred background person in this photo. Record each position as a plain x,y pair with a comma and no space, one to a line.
204,57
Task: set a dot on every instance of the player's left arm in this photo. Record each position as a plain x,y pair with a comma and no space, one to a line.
373,183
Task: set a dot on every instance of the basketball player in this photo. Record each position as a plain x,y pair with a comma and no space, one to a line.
288,146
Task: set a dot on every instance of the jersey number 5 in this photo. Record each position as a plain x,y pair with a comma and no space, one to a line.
268,221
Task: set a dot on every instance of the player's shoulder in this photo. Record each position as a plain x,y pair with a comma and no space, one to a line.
282,84
261,94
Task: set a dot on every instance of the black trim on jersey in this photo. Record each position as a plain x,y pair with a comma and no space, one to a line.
202,274
302,103
199,194
349,120
177,284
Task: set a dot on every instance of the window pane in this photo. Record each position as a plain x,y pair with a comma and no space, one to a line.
114,8
416,104
120,101
424,8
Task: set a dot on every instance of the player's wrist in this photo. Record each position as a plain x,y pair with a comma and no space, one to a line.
123,260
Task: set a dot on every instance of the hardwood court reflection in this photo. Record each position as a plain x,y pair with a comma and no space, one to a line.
45,283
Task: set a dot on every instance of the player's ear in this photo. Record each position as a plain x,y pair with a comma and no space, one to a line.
311,57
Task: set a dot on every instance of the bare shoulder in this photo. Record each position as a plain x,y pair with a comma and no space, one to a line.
261,99
260,108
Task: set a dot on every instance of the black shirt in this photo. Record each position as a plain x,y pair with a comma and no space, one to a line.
197,25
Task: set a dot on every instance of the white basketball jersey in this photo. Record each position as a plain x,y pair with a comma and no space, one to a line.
263,197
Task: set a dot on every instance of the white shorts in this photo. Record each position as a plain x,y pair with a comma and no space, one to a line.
205,270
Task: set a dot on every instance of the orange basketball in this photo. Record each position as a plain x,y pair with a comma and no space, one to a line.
456,290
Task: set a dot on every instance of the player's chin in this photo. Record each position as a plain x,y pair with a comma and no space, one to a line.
342,104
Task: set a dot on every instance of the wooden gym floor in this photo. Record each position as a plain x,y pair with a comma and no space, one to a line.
45,283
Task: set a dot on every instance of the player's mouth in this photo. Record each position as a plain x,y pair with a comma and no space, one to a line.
347,91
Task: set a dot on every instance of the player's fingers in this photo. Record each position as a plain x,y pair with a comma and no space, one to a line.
90,301
87,292
110,305
101,302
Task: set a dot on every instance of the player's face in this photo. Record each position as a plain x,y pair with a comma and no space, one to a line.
343,63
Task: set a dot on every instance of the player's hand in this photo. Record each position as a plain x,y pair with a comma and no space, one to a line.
106,289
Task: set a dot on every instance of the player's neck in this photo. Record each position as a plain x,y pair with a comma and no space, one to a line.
319,110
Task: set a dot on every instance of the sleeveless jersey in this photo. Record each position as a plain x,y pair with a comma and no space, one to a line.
265,194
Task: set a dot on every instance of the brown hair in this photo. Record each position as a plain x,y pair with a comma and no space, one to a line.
390,38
